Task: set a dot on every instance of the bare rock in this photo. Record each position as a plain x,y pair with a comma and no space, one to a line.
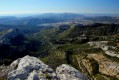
106,66
66,72
30,68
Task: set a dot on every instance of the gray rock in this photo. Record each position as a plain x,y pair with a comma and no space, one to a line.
33,76
65,72
30,68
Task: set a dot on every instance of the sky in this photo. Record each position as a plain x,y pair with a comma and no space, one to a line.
8,7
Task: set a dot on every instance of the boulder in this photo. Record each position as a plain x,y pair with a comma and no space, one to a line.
66,72
30,68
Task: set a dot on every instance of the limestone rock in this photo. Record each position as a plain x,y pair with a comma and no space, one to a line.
106,66
65,72
88,66
30,68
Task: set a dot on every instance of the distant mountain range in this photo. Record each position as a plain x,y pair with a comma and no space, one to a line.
52,18
38,19
37,22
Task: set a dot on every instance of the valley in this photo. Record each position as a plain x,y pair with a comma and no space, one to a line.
88,44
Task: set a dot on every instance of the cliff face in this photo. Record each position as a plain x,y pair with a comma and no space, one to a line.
31,68
106,66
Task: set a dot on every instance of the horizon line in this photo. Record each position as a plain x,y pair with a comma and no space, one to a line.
30,14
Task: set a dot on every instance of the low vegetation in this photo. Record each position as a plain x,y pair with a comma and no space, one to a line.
56,46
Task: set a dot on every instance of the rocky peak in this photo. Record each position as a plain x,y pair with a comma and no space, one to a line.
31,68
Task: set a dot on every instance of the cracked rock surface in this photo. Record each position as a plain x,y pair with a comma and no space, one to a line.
31,68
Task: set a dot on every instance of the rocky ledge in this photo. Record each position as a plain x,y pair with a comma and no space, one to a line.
31,68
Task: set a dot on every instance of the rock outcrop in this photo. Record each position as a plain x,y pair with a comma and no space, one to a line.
109,50
106,66
66,72
31,68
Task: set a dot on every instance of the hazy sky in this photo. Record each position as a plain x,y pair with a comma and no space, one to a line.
58,6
